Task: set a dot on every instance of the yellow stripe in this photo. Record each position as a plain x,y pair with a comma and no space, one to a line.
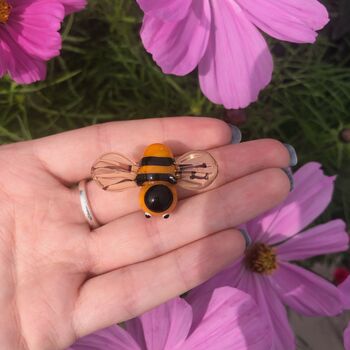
157,169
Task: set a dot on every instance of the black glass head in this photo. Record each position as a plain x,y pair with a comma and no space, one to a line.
158,198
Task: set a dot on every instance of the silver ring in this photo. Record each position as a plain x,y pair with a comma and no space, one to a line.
85,205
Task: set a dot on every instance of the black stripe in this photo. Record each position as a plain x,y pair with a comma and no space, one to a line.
157,161
142,178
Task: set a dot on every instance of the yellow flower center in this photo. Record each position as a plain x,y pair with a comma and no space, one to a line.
261,258
5,11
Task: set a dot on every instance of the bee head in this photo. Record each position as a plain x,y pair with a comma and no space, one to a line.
158,198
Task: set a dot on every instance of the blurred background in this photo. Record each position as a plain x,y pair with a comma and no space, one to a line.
105,74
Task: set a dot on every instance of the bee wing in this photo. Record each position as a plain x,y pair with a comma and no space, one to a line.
196,170
114,172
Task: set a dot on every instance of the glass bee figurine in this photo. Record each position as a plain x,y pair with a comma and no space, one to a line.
158,173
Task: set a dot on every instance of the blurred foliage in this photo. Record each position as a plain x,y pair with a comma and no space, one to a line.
105,74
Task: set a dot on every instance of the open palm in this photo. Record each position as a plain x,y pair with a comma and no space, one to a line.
60,280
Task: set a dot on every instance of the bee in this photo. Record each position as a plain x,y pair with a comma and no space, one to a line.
157,174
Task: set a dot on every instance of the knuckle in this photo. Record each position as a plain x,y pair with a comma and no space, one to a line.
153,236
181,270
102,137
132,302
94,253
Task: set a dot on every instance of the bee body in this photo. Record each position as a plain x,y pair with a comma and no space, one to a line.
157,178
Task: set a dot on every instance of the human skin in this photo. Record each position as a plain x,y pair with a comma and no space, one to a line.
60,280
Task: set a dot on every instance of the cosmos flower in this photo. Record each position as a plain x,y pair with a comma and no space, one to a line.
265,272
222,39
230,320
29,36
345,290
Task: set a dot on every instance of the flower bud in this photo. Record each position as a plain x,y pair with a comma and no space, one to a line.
344,135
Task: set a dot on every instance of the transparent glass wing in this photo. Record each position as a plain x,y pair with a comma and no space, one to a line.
114,172
196,170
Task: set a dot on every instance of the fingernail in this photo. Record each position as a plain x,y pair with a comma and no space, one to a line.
289,173
292,154
236,134
245,234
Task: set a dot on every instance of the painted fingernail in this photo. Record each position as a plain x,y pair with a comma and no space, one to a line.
292,154
236,134
247,238
289,173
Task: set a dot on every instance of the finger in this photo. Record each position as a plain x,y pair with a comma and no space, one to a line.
234,161
132,238
130,291
70,155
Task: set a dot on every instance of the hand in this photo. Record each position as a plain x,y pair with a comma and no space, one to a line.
60,280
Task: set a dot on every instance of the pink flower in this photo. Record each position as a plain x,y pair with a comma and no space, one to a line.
229,320
345,290
29,36
221,38
265,272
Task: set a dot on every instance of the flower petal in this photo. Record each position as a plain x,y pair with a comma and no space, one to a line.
167,326
166,10
71,6
110,338
345,290
347,338
259,287
310,197
306,292
237,64
230,318
34,26
134,328
4,58
322,239
290,20
228,277
177,47
22,68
